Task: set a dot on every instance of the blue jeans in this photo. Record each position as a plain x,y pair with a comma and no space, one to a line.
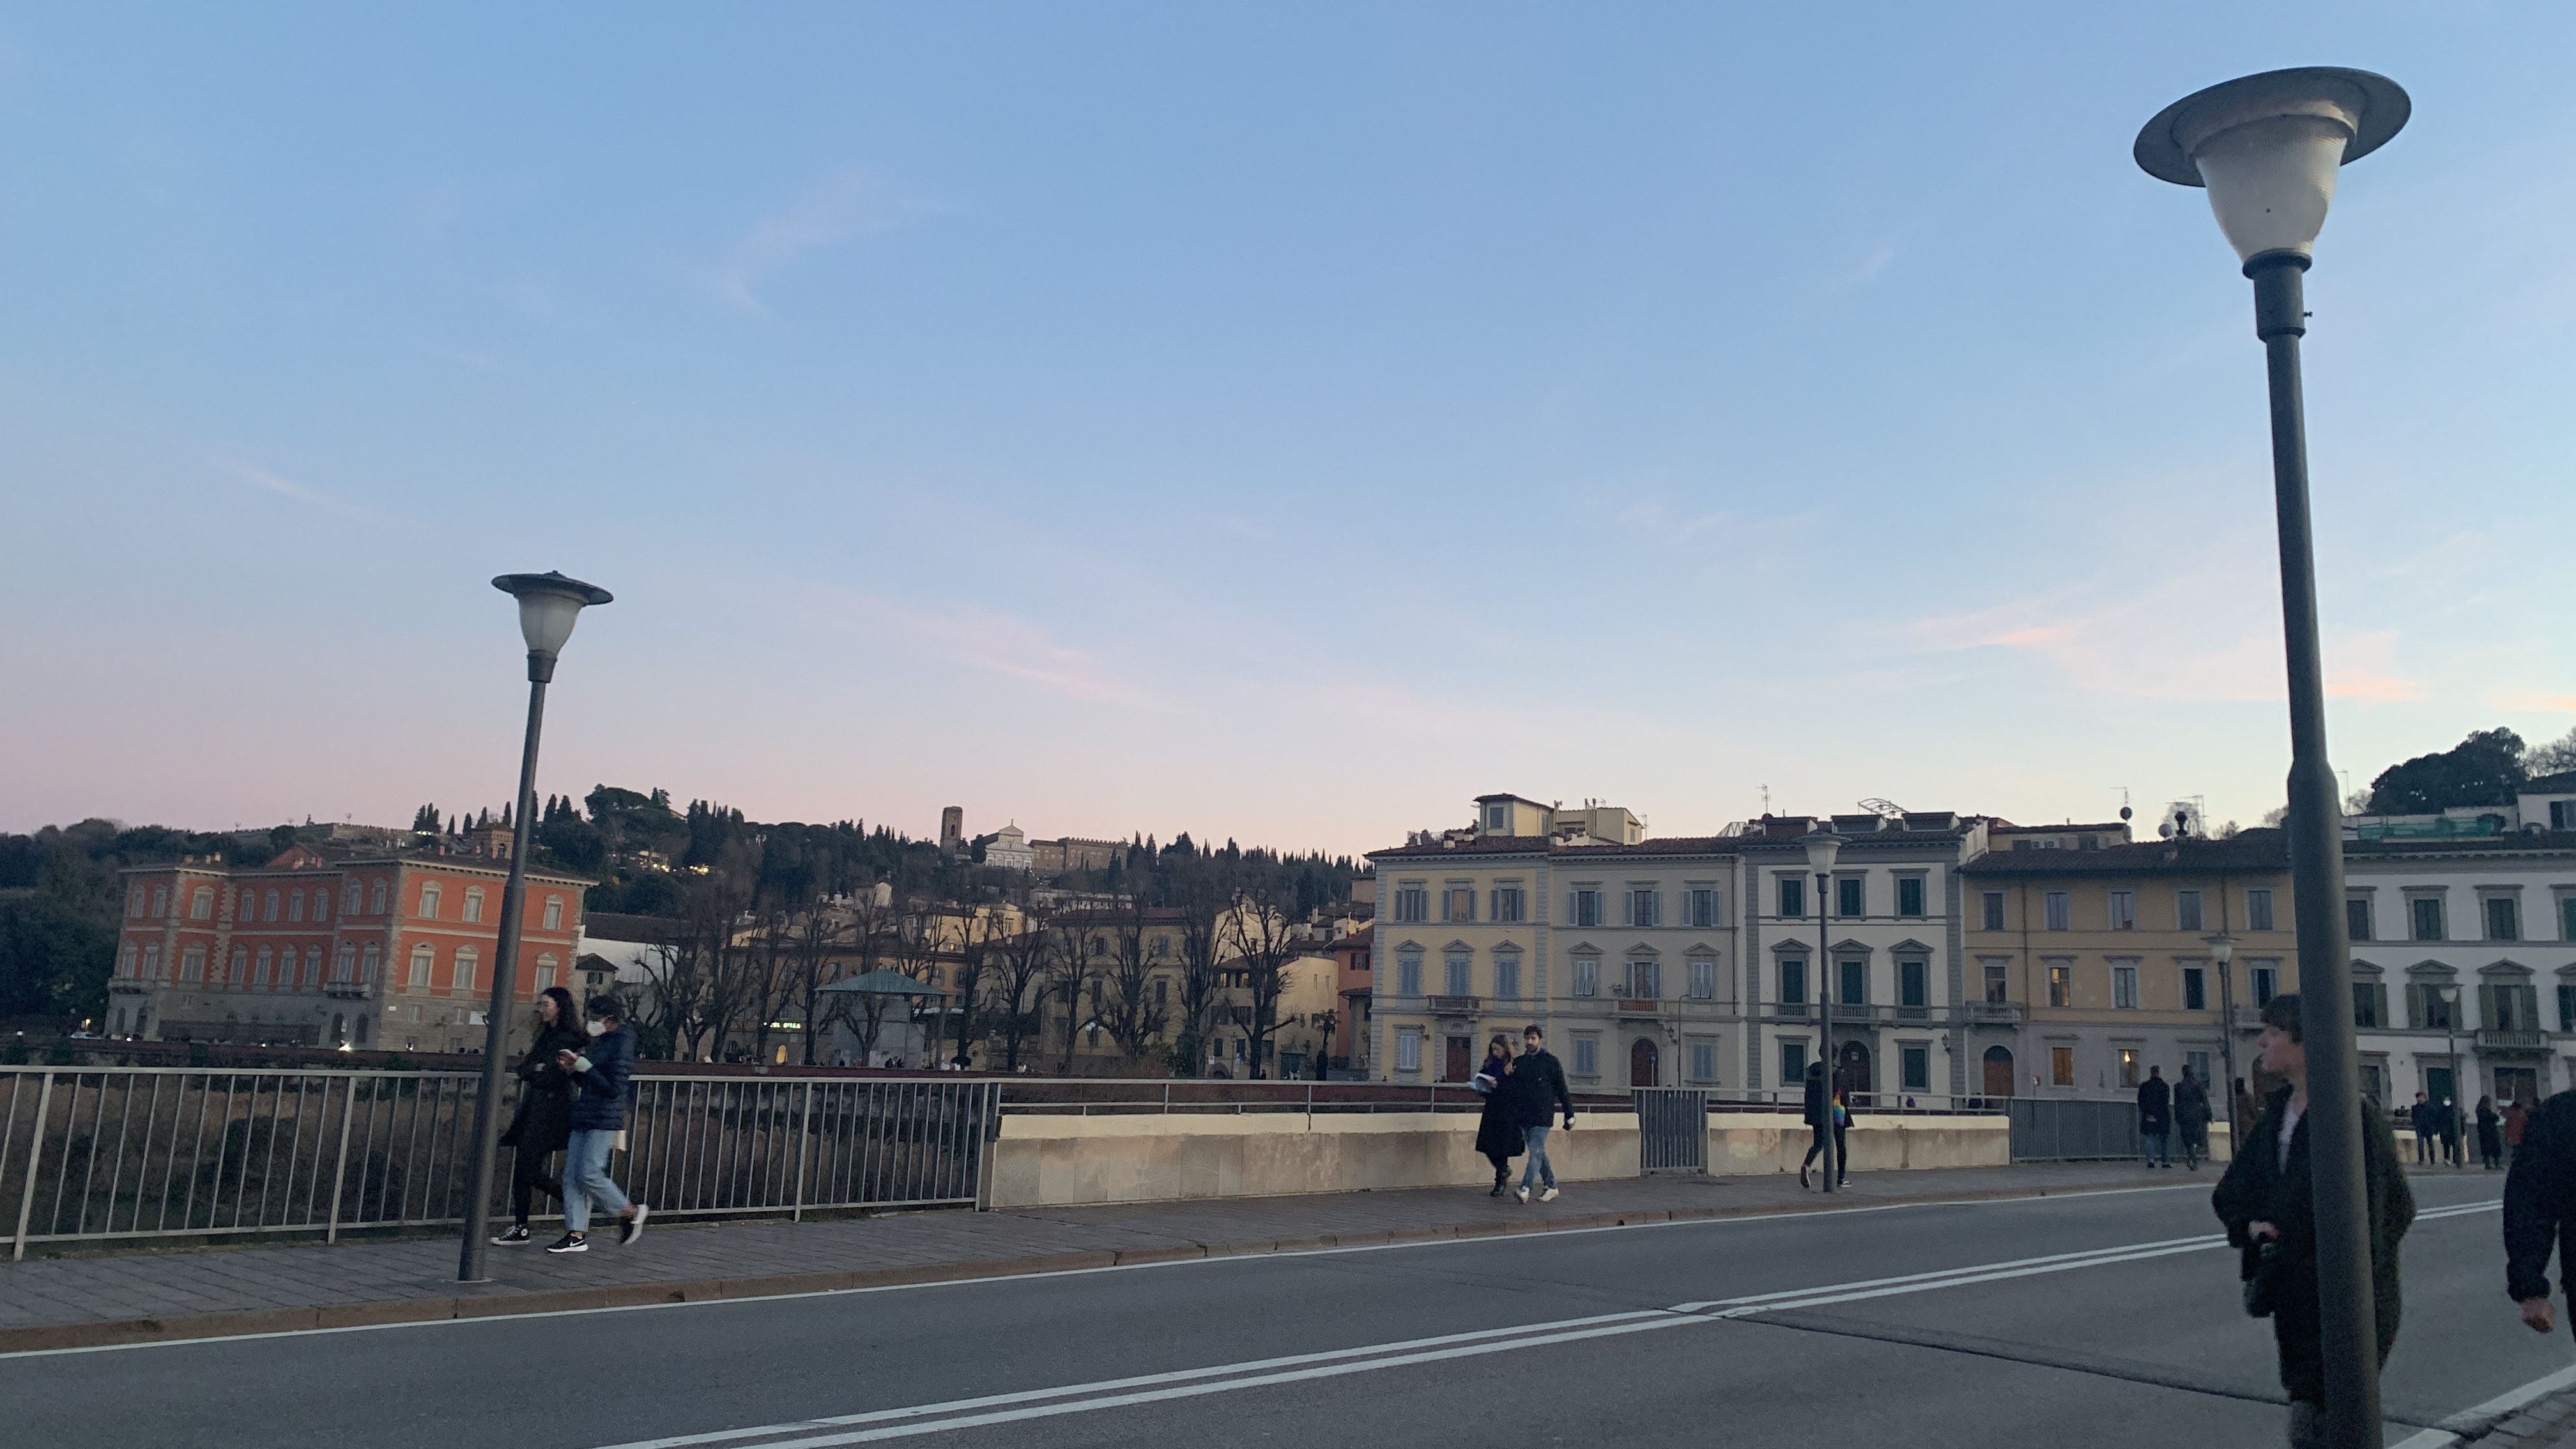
2157,1147
1538,1169
586,1178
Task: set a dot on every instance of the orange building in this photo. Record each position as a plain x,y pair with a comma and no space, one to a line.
379,949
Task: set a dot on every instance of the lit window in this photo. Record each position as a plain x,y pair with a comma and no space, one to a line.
2128,1057
2061,985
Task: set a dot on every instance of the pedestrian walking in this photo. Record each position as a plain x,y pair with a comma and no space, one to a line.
599,1073
2449,1121
2265,1203
2427,1134
1537,1093
2490,1135
542,1124
2540,1208
2191,1117
1824,1107
2155,1117
1497,1135
2517,1120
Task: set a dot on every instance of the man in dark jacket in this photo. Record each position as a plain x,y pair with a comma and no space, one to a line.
2420,1117
2191,1117
1537,1092
599,1074
2266,1197
2540,1209
2155,1117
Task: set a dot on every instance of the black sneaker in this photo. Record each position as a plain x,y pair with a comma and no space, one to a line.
629,1229
569,1243
513,1237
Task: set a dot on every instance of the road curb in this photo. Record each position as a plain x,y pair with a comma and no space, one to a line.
436,1308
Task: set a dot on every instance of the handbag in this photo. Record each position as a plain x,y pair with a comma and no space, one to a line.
2258,1284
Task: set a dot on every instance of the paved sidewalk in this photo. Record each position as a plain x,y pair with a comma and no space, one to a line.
135,1296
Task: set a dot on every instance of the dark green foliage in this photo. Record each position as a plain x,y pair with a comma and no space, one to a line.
425,819
58,945
2483,769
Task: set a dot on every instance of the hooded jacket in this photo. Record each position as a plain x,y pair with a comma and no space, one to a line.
599,1094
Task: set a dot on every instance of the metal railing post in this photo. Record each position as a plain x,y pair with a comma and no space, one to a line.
804,1104
340,1166
35,1159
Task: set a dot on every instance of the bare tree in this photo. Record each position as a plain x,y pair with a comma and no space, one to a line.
1263,942
1201,893
817,942
978,947
1020,972
1081,948
1122,999
919,943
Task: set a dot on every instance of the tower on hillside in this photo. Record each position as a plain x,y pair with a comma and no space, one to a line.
952,829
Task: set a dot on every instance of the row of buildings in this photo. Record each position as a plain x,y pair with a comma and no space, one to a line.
1949,955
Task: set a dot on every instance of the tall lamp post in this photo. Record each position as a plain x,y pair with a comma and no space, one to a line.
1823,848
2222,949
548,605
2267,147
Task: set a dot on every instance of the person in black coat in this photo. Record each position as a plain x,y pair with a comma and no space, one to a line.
1534,1093
599,1073
1497,1135
2155,1117
1822,1108
2540,1209
2266,1199
2191,1117
542,1125
2490,1134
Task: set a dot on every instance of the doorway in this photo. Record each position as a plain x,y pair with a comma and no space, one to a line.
1645,1064
1999,1072
1852,1073
2517,1084
1454,1065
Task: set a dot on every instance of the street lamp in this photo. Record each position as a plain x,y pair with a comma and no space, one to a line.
2222,949
2266,147
2451,998
548,605
1824,847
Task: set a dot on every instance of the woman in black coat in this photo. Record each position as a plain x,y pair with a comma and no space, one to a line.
1823,1107
2490,1134
1497,1136
543,1125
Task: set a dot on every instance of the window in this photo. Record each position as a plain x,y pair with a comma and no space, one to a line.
125,962
1412,903
2425,914
259,970
1408,973
2369,1004
1701,903
2356,918
2504,918
1998,981
1408,1051
376,896
2567,918
1993,917
2061,1066
152,961
312,966
1458,903
2060,911
2567,1008
1507,903
1847,895
1793,1062
373,959
134,902
1917,1064
2195,988
421,956
2187,910
1703,979
1645,980
268,906
1496,816
554,913
1162,991
1645,906
2199,1064
1703,1061
2061,984
2124,987
344,963
1507,974
1587,1056
2258,910
2266,981
201,904
1909,895
1587,975
2432,1006
1793,895
1854,982
2124,911
192,964
463,977
239,975
295,906
2509,1006
1793,981
1587,907
473,904
1457,974
160,901
429,900
2128,1059
1913,984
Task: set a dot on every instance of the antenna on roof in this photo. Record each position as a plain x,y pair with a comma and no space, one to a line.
1766,799
1886,809
2124,802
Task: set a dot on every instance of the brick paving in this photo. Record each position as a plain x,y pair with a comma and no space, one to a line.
135,1295
2548,1422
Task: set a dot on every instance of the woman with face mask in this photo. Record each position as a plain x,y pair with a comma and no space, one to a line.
543,1125
598,1071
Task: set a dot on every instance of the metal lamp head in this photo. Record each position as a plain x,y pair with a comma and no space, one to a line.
549,603
1823,848
2221,947
2267,146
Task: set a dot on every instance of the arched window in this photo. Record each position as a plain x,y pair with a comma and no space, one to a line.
160,901
312,967
268,906
152,961
240,974
259,973
295,906
421,957
376,898
429,900
545,970
125,961
201,905
339,1028
554,913
241,904
364,1021
321,904
368,964
473,904
343,962
349,899
134,908
463,980
192,964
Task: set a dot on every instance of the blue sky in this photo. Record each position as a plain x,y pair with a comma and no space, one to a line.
1276,422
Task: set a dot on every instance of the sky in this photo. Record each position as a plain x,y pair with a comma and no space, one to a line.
1278,423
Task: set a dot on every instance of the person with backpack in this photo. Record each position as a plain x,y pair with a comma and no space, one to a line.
599,1073
1536,1089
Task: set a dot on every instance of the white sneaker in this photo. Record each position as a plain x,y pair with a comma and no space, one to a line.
1548,1196
1522,1193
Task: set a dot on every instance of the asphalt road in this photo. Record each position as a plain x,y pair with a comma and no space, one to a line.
2104,1319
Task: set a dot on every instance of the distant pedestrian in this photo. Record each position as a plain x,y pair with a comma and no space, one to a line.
1825,1108
2448,1119
2517,1120
2427,1133
599,1074
2191,1117
2490,1135
1497,1135
2155,1117
1536,1092
2265,1203
542,1125
2540,1208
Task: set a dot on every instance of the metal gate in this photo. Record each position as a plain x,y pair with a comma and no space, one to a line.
2050,1130
1672,1129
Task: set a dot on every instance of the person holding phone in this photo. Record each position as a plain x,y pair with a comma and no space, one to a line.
599,1073
542,1126
1497,1135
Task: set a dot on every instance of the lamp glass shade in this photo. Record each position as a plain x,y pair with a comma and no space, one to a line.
546,619
2271,180
2220,949
1823,848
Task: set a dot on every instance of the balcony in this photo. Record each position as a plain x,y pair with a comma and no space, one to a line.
2513,1043
1790,1011
1993,1013
345,990
1455,1005
1632,1006
1855,1011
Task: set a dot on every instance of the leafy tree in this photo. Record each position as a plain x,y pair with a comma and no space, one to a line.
58,944
425,820
2483,769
